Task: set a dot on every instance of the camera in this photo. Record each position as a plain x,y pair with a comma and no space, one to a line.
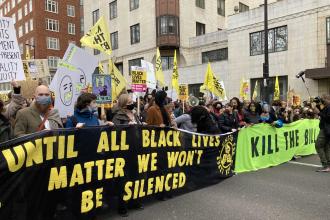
300,74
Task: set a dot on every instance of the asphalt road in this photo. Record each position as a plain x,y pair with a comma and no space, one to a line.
289,191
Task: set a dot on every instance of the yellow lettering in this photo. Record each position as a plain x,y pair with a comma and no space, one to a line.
182,180
128,191
49,141
88,166
145,138
167,186
100,164
99,197
87,203
77,176
162,139
11,161
114,145
57,179
34,153
176,139
123,144
61,147
103,143
168,138
70,153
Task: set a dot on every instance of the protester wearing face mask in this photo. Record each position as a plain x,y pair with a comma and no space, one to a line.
85,113
125,115
229,121
39,116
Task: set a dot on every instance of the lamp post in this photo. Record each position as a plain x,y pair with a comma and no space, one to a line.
265,91
34,49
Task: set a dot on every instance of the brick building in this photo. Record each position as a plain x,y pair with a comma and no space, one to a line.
45,27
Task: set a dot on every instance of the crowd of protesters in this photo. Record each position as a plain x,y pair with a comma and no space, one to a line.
22,117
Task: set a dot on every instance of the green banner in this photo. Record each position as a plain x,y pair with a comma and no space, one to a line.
262,145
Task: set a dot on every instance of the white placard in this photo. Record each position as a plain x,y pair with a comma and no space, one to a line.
151,78
11,67
73,74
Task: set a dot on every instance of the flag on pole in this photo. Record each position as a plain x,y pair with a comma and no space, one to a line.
118,81
277,90
101,69
159,70
244,89
98,37
175,75
27,54
255,92
212,84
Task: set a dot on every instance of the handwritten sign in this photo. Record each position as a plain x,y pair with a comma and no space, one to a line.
11,67
139,79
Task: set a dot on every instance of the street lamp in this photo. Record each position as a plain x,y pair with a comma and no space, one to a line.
34,49
266,63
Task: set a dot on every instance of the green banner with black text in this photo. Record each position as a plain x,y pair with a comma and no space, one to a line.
83,169
263,145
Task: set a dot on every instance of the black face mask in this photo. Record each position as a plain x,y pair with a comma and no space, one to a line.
130,107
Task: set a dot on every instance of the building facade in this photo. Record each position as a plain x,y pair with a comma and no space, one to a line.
138,27
44,27
229,34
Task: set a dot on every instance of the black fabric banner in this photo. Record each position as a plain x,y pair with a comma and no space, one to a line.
82,170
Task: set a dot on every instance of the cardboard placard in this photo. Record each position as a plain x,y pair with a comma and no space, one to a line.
139,79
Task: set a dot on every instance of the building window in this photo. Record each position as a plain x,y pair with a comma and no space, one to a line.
120,67
277,41
26,27
221,7
194,89
71,28
134,4
200,29
168,25
71,10
51,6
14,17
82,30
243,7
135,62
53,62
20,31
13,3
215,55
96,16
52,25
26,11
328,30
31,24
72,42
114,40
200,3
53,43
167,62
113,9
30,6
135,34
19,14
283,83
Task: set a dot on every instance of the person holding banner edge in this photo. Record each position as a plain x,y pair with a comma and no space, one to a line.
323,141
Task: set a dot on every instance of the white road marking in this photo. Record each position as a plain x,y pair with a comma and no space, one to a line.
304,164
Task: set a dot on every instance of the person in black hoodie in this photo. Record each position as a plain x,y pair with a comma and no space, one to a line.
322,144
229,121
202,118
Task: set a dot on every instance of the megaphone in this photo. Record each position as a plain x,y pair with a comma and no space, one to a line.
193,101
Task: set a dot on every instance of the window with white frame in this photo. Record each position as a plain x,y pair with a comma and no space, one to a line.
53,61
51,6
113,9
31,24
71,28
19,14
20,31
52,25
26,11
13,3
53,43
26,27
70,10
30,6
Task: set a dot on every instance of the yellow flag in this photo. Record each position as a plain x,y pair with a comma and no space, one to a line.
244,89
255,92
101,70
212,84
175,75
277,90
98,37
159,70
118,81
27,54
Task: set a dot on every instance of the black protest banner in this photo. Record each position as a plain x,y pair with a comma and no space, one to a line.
83,169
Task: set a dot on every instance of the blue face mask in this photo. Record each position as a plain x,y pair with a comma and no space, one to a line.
264,118
43,100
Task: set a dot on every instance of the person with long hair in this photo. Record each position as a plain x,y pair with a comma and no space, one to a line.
238,108
125,114
157,114
204,123
229,121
